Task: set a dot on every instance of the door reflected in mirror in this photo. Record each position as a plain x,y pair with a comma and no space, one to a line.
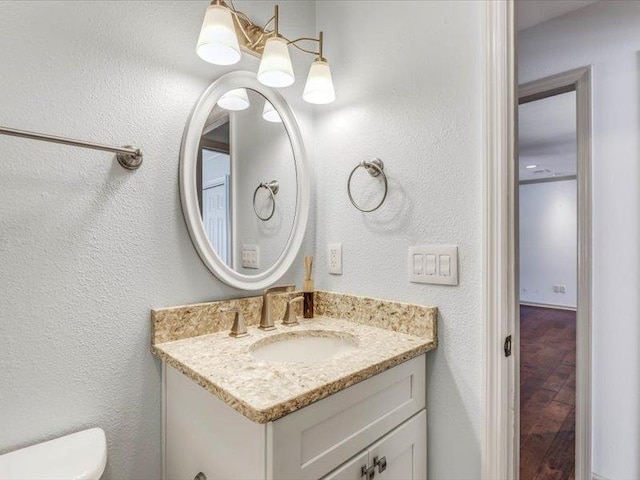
246,180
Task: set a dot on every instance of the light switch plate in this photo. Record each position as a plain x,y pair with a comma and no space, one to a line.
434,264
251,256
334,258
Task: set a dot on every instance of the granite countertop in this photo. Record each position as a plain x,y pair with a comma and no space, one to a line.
265,391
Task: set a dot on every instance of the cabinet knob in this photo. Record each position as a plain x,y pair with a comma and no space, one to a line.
200,476
367,473
380,463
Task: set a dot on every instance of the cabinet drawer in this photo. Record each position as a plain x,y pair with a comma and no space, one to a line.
309,443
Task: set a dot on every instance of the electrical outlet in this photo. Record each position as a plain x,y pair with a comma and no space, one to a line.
251,256
335,258
560,289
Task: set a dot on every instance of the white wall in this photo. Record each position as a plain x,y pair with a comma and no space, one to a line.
87,248
548,242
261,152
408,82
606,35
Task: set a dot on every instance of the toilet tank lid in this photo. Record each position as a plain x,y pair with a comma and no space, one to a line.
79,456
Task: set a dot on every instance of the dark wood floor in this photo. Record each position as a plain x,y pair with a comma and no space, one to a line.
547,393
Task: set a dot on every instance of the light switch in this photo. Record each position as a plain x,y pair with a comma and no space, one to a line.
418,261
250,256
436,264
431,264
445,265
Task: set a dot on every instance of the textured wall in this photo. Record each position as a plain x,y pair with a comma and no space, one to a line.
548,242
409,85
87,248
606,36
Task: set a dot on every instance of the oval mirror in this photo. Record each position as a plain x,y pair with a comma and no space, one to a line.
243,181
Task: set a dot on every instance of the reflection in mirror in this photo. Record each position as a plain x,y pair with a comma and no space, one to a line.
246,180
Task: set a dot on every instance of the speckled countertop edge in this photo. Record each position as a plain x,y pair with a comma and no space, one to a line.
302,400
270,412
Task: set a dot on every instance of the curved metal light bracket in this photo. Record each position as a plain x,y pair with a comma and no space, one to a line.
252,38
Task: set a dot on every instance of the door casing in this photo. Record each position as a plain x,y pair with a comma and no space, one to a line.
500,459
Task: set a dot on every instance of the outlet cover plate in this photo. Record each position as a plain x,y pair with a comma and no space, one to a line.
334,258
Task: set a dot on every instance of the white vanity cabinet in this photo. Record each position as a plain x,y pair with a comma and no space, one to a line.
399,455
382,417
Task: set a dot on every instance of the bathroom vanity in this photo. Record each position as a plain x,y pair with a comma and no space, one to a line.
340,396
338,437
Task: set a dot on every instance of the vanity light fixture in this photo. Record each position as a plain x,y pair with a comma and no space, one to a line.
235,100
275,67
270,114
319,86
225,31
218,43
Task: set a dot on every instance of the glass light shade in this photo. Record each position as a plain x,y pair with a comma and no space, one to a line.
217,42
275,67
270,114
234,100
319,86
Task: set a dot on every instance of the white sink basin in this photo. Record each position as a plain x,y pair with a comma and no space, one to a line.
305,347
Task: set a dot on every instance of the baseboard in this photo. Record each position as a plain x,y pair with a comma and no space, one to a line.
595,476
548,305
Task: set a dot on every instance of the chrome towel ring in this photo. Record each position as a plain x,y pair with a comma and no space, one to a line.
273,187
375,168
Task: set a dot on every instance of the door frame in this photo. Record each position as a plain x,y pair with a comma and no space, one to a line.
578,81
500,458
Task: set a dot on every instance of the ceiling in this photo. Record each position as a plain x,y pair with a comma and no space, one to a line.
547,137
533,12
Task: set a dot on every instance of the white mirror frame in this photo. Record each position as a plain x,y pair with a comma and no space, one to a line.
189,193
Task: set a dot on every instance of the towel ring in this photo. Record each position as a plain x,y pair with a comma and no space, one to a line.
375,168
273,187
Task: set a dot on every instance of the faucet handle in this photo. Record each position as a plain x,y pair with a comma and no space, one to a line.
239,328
279,289
290,319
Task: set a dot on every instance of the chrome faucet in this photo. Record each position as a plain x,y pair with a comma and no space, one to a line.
266,322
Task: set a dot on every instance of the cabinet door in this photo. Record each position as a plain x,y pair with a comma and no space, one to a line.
402,454
313,441
351,470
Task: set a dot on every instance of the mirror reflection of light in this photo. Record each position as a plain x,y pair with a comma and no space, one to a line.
234,100
270,114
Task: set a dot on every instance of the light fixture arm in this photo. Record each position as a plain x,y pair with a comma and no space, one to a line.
255,36
319,41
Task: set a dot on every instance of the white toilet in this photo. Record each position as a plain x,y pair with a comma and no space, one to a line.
79,456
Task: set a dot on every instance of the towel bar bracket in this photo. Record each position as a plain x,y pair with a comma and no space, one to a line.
130,161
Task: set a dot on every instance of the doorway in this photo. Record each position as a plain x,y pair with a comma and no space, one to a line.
559,390
501,453
547,246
